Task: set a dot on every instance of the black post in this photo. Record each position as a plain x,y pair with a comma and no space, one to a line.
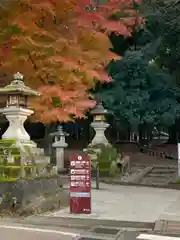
97,175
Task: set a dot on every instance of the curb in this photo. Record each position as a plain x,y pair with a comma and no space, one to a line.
167,186
164,227
82,223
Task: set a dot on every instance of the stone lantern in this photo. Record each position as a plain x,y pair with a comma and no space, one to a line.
16,110
59,145
99,124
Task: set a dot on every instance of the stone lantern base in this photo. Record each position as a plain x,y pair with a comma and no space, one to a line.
100,137
16,117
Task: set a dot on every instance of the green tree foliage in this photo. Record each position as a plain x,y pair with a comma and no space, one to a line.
141,93
162,22
144,88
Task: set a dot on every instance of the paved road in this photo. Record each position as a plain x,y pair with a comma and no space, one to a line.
12,231
16,232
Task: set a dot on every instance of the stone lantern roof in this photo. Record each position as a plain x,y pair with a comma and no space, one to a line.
99,110
59,132
17,86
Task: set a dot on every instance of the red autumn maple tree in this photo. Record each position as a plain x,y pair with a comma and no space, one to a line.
62,48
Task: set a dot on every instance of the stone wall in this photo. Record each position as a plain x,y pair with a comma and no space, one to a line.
24,192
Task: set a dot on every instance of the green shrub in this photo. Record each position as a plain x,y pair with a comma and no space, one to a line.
105,155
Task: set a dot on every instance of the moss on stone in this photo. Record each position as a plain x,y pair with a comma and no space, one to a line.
15,170
8,146
14,179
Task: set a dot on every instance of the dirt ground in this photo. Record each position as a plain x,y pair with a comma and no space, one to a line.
141,158
133,151
169,148
137,157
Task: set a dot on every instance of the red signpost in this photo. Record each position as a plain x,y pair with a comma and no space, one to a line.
80,184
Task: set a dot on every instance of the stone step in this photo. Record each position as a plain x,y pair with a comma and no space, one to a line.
157,182
154,184
154,181
160,175
167,227
163,171
138,165
172,167
137,169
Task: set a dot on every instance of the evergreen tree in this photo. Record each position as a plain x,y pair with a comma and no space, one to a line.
141,92
162,22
